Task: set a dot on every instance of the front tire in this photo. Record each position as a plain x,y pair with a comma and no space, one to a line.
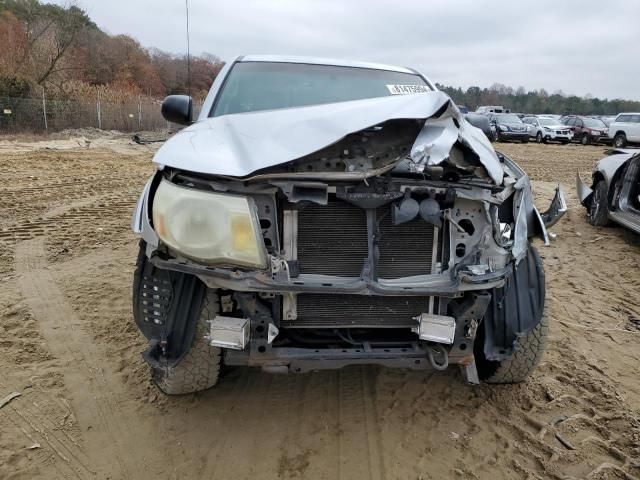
598,210
620,140
200,368
527,354
539,138
585,139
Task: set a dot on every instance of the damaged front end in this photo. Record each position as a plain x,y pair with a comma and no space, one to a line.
399,243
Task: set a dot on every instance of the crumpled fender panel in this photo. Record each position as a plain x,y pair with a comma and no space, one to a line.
515,308
172,298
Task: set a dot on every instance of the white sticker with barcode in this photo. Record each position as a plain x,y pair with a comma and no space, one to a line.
407,89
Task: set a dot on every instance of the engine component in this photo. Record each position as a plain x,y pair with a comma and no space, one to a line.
405,210
430,212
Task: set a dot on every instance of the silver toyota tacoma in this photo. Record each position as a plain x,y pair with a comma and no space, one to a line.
323,213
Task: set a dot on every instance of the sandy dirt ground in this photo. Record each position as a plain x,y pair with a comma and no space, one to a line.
87,409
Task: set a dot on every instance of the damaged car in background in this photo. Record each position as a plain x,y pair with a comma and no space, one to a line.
614,195
324,213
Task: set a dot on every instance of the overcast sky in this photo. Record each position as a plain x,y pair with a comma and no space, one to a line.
579,47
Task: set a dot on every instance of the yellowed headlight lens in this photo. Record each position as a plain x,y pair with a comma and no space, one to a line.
209,227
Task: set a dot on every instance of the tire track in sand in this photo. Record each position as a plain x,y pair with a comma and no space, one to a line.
95,392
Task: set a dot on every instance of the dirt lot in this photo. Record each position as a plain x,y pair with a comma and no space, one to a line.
88,410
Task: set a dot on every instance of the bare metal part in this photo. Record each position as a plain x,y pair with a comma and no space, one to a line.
435,328
471,373
447,216
272,333
443,357
228,332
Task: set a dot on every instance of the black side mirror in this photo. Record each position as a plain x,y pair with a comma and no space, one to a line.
479,121
178,109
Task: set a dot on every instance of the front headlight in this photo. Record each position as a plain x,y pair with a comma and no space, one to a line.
547,129
503,128
209,227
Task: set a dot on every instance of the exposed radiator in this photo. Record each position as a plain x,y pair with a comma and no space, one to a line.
406,249
332,239
350,311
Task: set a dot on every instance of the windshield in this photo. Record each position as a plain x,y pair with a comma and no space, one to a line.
548,121
254,86
593,123
508,118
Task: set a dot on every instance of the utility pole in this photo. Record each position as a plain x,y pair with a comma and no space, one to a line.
98,109
44,112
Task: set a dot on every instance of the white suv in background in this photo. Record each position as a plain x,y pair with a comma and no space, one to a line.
624,129
545,129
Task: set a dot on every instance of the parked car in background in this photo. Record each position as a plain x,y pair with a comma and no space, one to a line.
587,130
625,129
607,119
492,109
463,109
615,190
545,129
508,126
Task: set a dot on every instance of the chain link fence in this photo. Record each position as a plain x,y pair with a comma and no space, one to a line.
29,115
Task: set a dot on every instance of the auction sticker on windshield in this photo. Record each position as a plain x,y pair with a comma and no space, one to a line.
407,89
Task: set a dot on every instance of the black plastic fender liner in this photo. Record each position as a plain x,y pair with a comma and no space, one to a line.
166,307
515,308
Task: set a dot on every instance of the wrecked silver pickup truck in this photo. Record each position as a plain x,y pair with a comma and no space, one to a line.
324,213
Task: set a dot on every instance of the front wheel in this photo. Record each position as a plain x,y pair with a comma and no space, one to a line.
199,369
527,354
539,138
585,139
620,140
598,214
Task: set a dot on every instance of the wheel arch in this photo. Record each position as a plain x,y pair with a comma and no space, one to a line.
168,322
516,308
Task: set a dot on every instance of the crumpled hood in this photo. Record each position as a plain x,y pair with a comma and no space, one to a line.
239,144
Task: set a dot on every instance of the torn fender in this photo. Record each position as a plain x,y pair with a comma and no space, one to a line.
556,210
584,192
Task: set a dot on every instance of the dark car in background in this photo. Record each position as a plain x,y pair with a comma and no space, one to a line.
587,130
508,126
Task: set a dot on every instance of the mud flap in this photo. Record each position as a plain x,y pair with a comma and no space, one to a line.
516,308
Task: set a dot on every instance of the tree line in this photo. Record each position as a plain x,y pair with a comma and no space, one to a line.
61,50
537,101
64,51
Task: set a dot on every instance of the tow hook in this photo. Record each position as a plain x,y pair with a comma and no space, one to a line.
438,350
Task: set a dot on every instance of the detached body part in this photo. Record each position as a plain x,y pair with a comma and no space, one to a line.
320,214
614,195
